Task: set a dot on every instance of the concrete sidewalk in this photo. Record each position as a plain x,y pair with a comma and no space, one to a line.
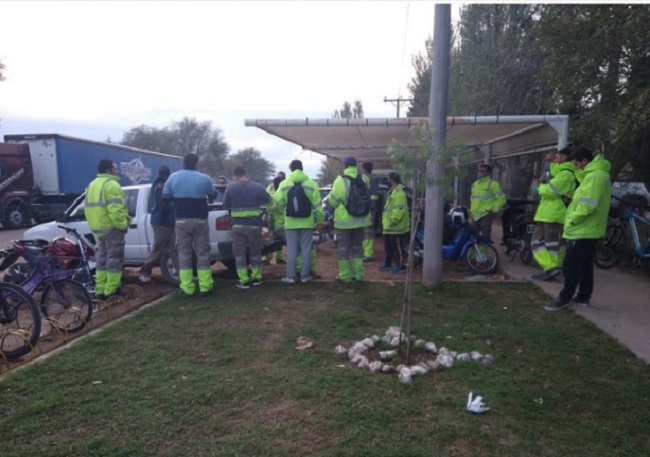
620,305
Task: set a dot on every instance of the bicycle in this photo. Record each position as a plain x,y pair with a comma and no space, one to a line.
65,302
611,249
20,322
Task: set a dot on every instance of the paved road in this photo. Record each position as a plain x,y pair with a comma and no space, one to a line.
620,305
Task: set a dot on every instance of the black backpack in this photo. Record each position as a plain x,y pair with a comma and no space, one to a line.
358,201
298,204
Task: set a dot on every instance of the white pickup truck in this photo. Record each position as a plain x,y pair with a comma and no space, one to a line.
139,237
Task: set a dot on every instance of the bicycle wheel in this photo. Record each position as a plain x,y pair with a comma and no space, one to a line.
67,304
610,249
482,258
20,321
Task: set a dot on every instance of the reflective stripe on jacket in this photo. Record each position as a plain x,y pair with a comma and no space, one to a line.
337,198
105,205
395,217
552,208
487,197
586,216
313,194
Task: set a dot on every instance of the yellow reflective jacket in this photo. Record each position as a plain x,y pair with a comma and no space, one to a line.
552,208
105,205
487,197
337,198
586,216
395,217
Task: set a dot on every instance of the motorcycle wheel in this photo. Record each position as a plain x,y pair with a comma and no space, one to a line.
482,258
526,255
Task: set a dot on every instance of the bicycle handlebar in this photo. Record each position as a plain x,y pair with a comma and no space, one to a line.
69,230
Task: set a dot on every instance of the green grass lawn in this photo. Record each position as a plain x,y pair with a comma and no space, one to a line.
221,376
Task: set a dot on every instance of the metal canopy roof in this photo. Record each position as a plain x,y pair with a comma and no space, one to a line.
368,139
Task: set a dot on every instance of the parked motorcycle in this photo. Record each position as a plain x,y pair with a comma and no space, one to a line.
518,227
474,249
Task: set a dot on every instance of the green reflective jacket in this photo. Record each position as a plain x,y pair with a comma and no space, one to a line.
275,212
552,208
312,192
337,198
395,217
586,216
105,205
487,197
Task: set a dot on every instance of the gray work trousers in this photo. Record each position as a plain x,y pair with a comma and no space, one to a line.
164,237
192,235
299,241
349,243
484,225
247,239
110,251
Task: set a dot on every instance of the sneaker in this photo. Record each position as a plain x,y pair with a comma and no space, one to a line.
288,280
100,296
315,275
557,304
341,281
580,301
553,273
244,285
256,282
384,267
206,293
143,278
398,270
280,262
368,259
357,279
182,293
544,276
305,279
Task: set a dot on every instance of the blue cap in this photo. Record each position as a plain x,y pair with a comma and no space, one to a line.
350,161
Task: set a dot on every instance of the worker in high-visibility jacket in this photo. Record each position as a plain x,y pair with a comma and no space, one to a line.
396,225
584,225
549,217
349,229
369,233
487,199
278,220
108,219
244,199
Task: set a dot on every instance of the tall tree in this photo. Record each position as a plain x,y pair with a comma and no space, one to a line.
331,168
259,169
181,137
599,67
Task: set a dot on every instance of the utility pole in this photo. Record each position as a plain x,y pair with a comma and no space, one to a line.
432,265
397,101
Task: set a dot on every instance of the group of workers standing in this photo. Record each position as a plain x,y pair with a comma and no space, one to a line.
575,196
572,214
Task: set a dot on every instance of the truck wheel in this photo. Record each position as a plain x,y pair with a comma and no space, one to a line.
167,270
15,218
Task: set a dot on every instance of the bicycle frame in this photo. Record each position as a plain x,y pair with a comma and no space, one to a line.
639,250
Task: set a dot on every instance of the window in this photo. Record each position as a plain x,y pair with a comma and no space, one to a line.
131,201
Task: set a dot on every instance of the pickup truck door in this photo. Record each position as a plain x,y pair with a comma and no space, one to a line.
136,248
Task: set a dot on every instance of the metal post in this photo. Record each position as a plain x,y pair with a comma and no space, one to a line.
432,266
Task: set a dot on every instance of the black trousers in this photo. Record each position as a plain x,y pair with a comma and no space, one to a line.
578,269
395,249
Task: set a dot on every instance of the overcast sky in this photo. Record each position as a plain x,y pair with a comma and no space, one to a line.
95,69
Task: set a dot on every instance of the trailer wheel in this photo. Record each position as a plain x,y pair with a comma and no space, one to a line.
15,218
